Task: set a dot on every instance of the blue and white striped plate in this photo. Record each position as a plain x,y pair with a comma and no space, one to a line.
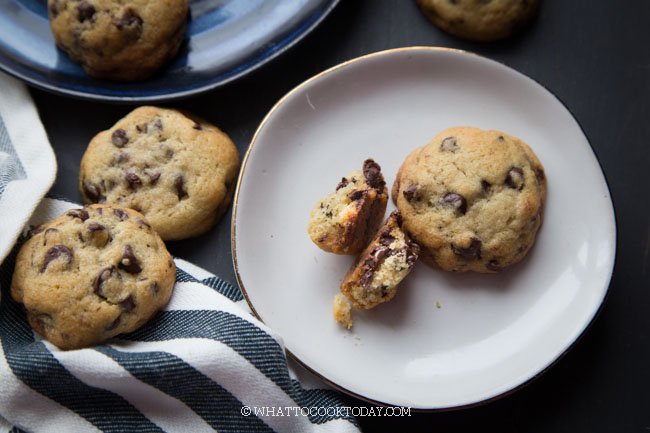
225,40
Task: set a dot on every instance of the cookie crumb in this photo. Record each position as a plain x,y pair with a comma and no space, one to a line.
437,304
342,311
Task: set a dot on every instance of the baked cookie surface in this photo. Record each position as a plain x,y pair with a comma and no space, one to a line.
381,267
342,311
120,40
179,172
344,221
91,274
472,199
479,20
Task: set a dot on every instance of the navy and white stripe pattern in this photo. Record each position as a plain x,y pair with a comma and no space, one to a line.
194,367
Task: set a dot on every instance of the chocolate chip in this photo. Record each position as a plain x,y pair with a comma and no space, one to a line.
127,304
85,11
376,254
539,173
357,194
322,238
143,223
455,201
82,214
372,172
493,265
123,157
93,227
120,138
47,232
114,324
99,234
153,177
105,274
141,128
132,179
129,261
342,184
129,21
515,178
386,239
449,144
472,252
154,287
158,124
57,251
398,217
120,214
36,230
54,8
197,126
485,185
92,191
501,138
81,238
178,185
45,319
411,192
412,254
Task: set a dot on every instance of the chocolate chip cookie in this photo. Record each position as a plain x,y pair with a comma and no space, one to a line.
119,40
479,20
344,221
472,199
91,274
176,170
381,267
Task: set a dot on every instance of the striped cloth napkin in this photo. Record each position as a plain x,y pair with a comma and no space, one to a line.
204,363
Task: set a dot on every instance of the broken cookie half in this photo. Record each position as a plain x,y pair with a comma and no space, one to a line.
381,267
344,221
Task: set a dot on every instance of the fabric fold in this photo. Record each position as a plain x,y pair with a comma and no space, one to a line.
203,363
27,161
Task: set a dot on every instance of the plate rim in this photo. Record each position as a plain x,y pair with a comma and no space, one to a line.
13,68
588,324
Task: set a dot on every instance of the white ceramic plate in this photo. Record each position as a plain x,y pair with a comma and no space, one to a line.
491,333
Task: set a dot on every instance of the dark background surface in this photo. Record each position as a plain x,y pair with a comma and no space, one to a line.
594,55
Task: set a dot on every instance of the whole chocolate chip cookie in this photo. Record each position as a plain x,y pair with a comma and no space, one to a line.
177,171
472,199
120,40
479,20
91,274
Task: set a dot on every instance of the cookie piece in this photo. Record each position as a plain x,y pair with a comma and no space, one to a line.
178,171
342,311
344,221
91,274
472,199
479,20
385,262
119,40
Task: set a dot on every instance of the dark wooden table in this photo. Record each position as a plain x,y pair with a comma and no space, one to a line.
595,56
